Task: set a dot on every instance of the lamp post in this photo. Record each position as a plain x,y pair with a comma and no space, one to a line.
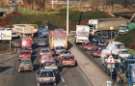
111,29
67,18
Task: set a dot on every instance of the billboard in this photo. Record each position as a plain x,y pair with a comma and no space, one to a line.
5,35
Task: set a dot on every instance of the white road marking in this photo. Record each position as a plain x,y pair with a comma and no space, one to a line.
62,79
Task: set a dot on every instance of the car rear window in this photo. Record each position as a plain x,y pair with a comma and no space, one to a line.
46,74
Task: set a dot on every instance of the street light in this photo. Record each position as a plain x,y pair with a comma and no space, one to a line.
111,28
67,18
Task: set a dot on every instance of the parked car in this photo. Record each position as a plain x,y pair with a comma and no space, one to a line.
25,65
46,76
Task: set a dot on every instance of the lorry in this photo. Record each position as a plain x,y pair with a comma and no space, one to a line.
58,38
82,33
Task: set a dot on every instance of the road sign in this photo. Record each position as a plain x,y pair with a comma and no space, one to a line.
5,34
110,60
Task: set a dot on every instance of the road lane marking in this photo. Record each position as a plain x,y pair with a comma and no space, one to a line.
62,79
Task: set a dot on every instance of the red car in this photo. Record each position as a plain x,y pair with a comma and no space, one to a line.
45,58
96,53
25,55
89,46
68,60
26,42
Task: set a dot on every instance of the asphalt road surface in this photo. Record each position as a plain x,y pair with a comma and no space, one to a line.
71,76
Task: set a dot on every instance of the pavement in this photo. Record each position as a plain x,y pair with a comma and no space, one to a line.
94,74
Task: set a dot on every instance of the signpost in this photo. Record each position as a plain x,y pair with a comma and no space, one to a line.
5,35
110,62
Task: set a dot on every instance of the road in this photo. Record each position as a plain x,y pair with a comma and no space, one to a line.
71,76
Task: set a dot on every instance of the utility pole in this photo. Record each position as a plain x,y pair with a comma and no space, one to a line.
52,4
67,18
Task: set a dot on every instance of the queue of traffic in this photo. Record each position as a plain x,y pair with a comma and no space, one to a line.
112,55
52,54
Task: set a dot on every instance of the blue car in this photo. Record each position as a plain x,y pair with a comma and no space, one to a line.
43,32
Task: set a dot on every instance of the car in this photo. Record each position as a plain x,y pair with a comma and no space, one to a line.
51,64
46,76
42,42
15,35
45,58
89,46
113,47
65,53
123,29
58,50
25,54
27,42
43,31
25,65
124,53
97,52
44,50
68,60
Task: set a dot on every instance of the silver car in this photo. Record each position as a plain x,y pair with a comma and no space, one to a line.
46,76
25,65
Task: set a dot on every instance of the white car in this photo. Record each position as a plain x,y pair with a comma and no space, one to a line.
123,29
25,65
51,65
114,47
124,53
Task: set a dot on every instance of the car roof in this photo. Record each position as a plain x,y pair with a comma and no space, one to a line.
116,42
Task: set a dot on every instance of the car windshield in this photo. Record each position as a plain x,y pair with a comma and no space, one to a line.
46,74
45,50
124,51
120,46
68,57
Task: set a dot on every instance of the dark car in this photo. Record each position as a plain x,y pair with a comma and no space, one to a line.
43,31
